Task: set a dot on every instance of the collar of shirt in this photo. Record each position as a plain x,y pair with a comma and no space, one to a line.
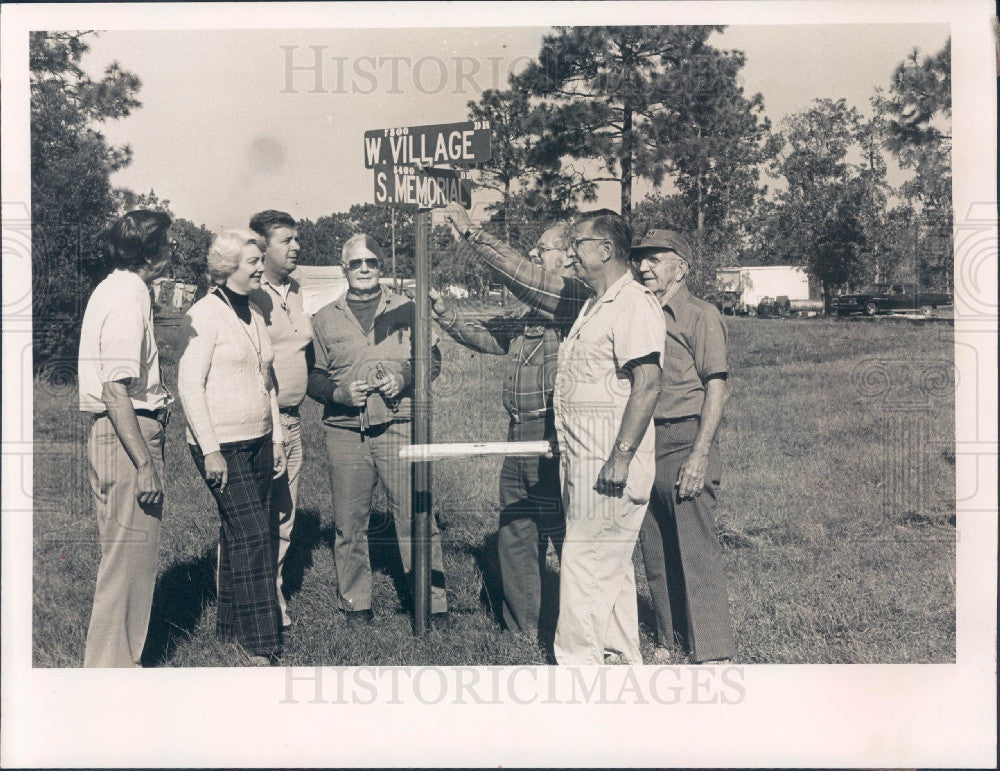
281,289
614,290
387,296
128,278
118,274
681,299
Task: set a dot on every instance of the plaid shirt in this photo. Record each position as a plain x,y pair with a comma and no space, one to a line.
532,340
534,336
557,297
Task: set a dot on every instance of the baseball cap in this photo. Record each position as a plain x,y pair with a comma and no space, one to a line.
663,241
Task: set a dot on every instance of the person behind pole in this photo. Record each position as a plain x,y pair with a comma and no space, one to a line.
606,388
363,377
120,386
234,434
531,512
279,300
685,565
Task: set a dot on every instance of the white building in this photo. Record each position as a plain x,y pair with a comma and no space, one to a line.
755,282
321,284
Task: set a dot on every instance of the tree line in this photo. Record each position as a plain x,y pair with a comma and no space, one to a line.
597,105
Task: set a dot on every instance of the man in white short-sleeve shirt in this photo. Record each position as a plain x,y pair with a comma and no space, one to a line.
119,382
606,387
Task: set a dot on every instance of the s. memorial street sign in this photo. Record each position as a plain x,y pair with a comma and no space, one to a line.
406,186
467,142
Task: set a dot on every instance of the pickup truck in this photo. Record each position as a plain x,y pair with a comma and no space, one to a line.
889,298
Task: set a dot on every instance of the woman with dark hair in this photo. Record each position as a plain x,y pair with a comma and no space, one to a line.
119,382
234,432
137,237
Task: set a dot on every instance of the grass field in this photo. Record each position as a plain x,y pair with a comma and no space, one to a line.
837,513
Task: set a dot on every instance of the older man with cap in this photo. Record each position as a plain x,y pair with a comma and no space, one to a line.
685,565
279,299
363,377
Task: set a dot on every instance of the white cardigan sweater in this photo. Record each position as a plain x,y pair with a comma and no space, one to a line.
226,397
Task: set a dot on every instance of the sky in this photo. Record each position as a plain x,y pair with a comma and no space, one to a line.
226,128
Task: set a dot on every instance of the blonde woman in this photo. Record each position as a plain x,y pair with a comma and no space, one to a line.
234,432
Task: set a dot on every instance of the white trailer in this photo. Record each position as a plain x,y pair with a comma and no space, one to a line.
755,282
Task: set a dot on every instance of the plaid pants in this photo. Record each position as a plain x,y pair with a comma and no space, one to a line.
248,536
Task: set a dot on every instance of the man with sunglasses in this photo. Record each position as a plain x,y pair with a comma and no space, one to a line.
363,377
606,387
531,512
684,562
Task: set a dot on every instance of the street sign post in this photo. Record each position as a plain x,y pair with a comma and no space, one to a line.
405,176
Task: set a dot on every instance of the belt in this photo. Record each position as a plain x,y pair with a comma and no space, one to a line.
521,416
161,415
671,421
291,411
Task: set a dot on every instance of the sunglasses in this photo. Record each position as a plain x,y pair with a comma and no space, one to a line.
368,262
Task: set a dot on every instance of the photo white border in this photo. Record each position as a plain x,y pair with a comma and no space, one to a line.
802,715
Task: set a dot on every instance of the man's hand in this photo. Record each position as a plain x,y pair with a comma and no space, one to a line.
150,485
280,459
389,385
457,217
614,474
438,307
691,478
216,470
353,394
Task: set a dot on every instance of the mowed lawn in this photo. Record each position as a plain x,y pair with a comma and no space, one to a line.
837,513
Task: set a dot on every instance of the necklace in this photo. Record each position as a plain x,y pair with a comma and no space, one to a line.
258,347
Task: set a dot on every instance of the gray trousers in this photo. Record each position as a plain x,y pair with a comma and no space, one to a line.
284,498
129,540
356,464
684,561
531,514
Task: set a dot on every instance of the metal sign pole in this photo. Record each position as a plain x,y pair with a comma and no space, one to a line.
422,428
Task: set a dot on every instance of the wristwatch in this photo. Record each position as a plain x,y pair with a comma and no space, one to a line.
624,447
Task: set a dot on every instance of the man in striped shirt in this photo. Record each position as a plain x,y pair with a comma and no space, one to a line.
530,500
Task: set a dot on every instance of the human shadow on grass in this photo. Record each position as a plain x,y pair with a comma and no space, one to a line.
307,535
383,554
180,597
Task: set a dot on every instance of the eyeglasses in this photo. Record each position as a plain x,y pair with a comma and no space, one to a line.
369,262
574,243
655,257
538,252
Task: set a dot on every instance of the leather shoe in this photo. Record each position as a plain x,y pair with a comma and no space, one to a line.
357,618
662,655
441,621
